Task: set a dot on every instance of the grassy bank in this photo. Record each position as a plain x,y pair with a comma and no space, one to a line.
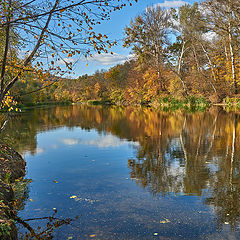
190,103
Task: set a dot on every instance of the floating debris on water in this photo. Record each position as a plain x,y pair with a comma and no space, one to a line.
165,221
73,196
77,199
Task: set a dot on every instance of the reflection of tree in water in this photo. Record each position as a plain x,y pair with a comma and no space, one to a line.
52,222
172,162
226,181
204,154
178,152
21,193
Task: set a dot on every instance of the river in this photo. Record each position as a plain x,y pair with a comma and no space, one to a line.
129,173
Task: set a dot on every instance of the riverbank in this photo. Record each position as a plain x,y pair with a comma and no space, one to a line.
12,167
173,103
25,106
162,102
41,104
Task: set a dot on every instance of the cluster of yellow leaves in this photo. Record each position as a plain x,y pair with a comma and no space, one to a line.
151,84
223,69
97,87
10,103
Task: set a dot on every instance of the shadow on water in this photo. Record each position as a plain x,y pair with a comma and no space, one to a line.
177,153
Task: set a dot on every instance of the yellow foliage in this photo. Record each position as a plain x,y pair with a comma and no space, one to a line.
9,103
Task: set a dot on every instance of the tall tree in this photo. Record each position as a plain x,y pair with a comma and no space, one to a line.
223,18
148,35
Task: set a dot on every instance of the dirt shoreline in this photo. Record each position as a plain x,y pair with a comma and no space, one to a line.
12,167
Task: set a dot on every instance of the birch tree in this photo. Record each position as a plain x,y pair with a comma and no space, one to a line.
223,19
148,35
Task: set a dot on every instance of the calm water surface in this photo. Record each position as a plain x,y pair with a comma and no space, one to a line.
130,173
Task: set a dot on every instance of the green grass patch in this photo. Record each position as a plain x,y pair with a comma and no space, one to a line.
191,103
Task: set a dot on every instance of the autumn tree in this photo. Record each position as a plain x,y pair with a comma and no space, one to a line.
197,43
183,51
223,20
49,32
148,35
116,79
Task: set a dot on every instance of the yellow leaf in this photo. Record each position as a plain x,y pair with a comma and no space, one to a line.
73,196
165,221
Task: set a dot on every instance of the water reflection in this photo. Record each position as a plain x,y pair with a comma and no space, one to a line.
176,153
46,225
47,233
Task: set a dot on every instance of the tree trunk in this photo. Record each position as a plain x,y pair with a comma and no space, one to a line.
179,68
30,57
4,61
234,77
211,66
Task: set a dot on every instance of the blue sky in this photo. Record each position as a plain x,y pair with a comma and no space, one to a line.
114,29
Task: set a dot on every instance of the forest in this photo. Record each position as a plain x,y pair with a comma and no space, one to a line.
187,53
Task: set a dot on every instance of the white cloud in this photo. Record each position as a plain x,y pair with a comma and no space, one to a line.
109,59
38,150
101,141
171,4
70,141
22,53
107,141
